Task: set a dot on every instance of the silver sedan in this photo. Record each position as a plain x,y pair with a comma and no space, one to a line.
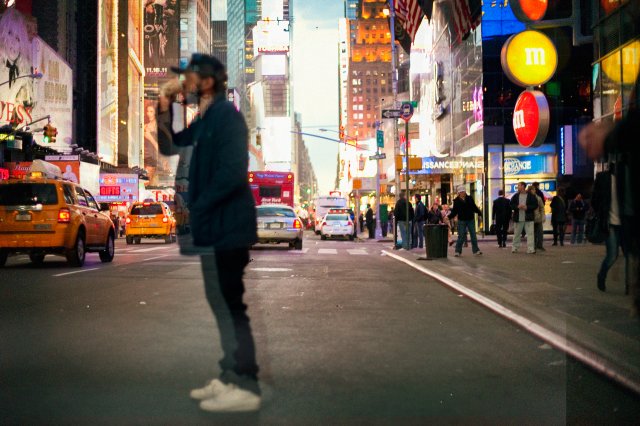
279,223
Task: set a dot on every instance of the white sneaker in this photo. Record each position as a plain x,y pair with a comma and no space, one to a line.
233,399
212,389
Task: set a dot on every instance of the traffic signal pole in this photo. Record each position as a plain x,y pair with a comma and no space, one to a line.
394,88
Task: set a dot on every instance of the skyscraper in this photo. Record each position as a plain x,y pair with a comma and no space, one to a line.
242,16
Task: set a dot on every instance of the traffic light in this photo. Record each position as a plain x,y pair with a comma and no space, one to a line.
47,132
259,140
341,133
50,134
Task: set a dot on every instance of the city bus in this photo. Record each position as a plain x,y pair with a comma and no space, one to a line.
272,187
322,205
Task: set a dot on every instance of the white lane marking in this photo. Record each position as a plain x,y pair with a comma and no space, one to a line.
357,252
76,272
556,340
148,249
327,251
157,257
271,269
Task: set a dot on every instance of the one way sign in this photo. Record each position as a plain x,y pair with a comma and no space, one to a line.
391,113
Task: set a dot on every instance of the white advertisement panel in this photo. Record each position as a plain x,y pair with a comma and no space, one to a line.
53,93
107,135
90,177
273,65
277,141
271,36
273,9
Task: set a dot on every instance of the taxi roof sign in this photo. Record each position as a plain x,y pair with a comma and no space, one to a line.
45,169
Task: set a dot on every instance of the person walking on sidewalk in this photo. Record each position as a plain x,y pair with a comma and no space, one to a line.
371,224
465,209
501,216
558,217
538,221
400,216
223,220
578,209
418,222
524,205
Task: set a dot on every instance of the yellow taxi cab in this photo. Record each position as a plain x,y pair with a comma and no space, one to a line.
43,214
150,220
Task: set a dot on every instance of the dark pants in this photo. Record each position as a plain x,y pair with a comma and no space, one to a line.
538,235
463,226
383,228
615,240
371,227
558,231
224,288
577,231
502,228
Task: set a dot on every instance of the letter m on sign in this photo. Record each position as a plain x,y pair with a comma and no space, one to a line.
535,56
518,119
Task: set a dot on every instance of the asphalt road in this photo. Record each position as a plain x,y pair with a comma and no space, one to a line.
344,336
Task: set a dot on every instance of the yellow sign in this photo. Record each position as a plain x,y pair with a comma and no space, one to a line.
629,58
357,183
529,58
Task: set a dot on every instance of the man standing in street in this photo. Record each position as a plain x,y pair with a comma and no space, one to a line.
538,221
501,216
400,217
371,224
418,222
223,220
578,209
465,208
524,205
558,217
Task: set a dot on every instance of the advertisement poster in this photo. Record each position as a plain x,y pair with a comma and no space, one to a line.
18,170
161,38
53,94
118,187
108,81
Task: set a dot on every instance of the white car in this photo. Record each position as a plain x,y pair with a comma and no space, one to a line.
279,223
336,225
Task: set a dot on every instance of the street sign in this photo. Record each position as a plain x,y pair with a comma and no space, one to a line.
391,113
406,111
380,156
380,138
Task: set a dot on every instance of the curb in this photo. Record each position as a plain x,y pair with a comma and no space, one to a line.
585,356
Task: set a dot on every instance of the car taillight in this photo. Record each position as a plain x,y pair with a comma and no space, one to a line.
324,223
128,220
349,223
64,216
297,224
165,220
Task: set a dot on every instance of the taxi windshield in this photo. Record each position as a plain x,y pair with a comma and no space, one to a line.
151,209
28,194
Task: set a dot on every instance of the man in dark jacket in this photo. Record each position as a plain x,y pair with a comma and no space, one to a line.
223,218
524,205
371,224
465,208
501,215
578,209
418,223
400,217
558,217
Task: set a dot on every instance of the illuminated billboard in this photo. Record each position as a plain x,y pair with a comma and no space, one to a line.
161,37
107,134
117,187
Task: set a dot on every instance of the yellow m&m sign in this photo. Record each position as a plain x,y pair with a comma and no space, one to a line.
529,58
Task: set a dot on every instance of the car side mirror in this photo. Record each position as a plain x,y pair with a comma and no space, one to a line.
104,207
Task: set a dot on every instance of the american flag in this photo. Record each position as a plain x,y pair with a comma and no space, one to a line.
409,15
466,16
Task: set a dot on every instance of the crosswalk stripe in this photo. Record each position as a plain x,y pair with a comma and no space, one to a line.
357,252
327,251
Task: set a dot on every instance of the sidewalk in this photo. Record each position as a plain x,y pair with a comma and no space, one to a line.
555,289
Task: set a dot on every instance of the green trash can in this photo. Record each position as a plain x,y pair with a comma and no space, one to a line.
436,240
